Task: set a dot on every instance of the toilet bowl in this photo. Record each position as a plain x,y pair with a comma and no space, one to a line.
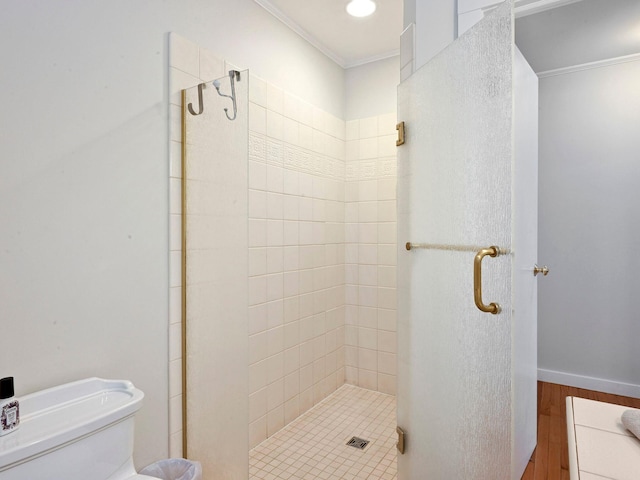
77,431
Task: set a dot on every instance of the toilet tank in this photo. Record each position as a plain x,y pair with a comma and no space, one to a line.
77,431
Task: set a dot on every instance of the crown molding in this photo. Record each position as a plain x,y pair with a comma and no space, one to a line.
589,66
342,62
375,58
284,18
520,8
540,6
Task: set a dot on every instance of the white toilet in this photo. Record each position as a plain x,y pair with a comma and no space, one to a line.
78,431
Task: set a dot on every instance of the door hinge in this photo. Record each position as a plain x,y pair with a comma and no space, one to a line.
400,444
400,129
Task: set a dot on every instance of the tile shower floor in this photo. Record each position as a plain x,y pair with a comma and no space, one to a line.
313,446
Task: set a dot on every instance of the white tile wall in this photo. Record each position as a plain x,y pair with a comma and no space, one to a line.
370,269
296,252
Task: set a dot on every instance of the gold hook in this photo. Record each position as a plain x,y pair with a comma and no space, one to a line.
493,308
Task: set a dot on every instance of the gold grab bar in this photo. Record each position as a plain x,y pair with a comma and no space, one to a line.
493,308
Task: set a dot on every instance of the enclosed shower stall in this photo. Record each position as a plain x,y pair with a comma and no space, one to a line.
289,255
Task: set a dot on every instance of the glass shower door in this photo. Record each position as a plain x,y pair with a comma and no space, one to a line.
216,376
461,386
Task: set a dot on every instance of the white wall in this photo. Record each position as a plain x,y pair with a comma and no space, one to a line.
370,89
589,228
436,26
84,192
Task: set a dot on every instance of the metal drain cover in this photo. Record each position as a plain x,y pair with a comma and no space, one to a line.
358,443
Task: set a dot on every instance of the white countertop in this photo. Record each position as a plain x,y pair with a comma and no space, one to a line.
599,445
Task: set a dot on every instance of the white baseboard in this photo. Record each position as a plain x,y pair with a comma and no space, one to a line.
589,383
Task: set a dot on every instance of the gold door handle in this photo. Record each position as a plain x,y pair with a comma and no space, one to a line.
493,308
543,270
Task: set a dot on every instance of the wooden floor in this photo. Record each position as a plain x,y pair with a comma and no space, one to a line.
551,459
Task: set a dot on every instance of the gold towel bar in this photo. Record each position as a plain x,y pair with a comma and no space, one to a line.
442,246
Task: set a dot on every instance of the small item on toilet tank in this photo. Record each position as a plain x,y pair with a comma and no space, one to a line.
9,407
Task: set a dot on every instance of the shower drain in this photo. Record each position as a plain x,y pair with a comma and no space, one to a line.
358,443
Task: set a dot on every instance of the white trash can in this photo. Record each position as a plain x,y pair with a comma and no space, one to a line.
174,469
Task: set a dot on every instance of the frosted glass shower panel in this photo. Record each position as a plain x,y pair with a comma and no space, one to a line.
215,215
454,189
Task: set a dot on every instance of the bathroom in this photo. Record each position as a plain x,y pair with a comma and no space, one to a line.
86,288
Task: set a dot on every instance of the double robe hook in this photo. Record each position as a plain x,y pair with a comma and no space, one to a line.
233,76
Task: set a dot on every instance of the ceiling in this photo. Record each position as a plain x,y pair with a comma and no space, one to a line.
576,33
347,40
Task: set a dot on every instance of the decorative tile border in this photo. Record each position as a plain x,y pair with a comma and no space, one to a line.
282,154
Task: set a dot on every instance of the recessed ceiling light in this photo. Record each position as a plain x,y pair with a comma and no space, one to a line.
361,8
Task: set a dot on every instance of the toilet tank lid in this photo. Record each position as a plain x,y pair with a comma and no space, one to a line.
55,416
